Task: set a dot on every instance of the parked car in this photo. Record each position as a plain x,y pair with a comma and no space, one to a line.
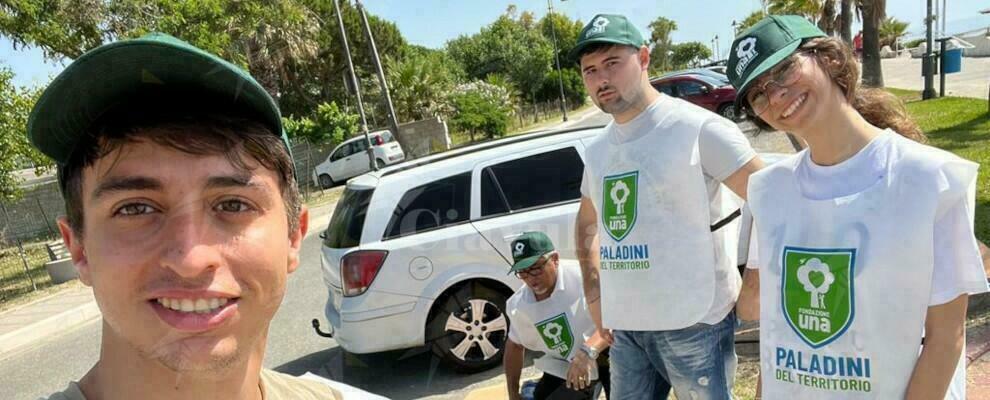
722,78
350,158
418,253
707,92
721,69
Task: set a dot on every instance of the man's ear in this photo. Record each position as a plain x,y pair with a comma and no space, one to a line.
296,239
644,58
77,250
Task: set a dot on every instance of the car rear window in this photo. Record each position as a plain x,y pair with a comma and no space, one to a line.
347,222
387,137
534,181
431,206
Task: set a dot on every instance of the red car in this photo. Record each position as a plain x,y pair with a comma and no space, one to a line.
709,92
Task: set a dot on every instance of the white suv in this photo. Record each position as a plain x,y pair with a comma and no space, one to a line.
418,253
350,158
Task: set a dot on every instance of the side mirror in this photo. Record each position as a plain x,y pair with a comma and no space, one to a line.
706,89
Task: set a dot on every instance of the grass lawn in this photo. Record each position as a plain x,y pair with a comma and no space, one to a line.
962,126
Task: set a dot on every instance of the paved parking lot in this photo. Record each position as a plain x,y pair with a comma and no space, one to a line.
972,81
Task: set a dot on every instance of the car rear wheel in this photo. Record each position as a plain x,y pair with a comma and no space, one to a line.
326,181
380,163
468,329
728,112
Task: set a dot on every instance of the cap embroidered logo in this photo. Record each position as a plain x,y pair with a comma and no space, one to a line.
746,53
598,26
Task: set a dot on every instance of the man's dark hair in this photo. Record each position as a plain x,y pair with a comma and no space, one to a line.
189,129
598,48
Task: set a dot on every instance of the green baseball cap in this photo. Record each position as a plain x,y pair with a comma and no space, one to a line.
528,248
123,72
763,46
607,28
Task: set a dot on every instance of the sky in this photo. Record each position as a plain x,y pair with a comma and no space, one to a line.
432,23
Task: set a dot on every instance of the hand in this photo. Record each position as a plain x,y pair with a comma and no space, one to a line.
607,335
579,373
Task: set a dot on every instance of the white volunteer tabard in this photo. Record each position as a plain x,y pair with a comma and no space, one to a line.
555,326
845,283
657,254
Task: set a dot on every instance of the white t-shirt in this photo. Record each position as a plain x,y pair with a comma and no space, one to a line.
958,265
555,326
723,149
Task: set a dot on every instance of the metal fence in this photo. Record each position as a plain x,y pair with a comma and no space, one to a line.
528,114
22,270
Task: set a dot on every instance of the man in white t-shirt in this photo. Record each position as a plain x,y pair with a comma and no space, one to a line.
549,315
658,273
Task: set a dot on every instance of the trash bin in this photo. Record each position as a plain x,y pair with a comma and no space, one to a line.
952,61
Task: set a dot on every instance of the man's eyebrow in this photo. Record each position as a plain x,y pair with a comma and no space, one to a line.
234,181
125,183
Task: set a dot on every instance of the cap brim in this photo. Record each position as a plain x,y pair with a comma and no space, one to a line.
573,55
525,263
760,69
127,72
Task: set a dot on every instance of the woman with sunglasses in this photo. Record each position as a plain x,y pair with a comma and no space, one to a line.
863,242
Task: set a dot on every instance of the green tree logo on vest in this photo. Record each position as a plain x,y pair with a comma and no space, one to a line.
620,205
818,292
556,333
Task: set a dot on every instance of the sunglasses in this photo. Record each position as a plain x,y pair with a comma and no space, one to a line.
535,270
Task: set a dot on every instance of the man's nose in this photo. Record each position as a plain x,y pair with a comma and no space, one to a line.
189,249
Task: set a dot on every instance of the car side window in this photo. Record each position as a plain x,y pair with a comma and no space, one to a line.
434,205
342,152
665,89
690,88
359,146
537,180
493,201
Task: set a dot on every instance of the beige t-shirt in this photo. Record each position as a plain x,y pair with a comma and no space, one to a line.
274,386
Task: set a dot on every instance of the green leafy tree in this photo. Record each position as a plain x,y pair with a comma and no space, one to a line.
660,30
506,46
329,125
480,107
15,150
574,91
689,54
419,81
567,32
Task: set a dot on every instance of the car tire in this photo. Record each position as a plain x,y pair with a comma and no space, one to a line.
380,163
728,111
326,182
472,308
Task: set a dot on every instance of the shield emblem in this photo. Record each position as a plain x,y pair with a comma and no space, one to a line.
817,292
557,335
619,209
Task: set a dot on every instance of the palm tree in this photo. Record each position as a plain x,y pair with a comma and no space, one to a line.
846,20
810,9
891,30
873,12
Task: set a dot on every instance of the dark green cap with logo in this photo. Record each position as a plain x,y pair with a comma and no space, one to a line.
607,28
763,46
129,72
528,248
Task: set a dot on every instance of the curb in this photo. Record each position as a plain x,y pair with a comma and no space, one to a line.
48,327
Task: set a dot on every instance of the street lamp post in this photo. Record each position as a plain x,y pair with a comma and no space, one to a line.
357,89
556,56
